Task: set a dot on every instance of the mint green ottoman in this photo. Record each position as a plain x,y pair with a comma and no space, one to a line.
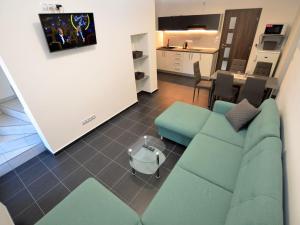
181,122
91,204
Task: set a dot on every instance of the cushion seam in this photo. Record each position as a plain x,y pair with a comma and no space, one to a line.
209,135
211,182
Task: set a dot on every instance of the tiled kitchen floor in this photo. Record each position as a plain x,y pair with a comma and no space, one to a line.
35,187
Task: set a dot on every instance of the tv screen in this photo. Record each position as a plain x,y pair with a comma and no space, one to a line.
68,30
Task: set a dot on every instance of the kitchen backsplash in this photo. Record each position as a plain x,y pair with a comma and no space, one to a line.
195,39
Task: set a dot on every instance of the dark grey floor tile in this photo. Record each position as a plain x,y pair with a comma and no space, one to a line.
104,127
127,139
100,142
146,121
111,174
76,178
113,150
91,135
123,123
52,161
164,173
143,109
114,132
143,199
10,175
179,149
19,202
53,197
65,168
42,185
34,172
129,186
135,116
97,163
84,154
30,216
138,129
153,132
75,146
123,159
10,188
27,165
169,144
154,113
171,160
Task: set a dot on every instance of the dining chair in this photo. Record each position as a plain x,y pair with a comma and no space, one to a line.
263,69
197,80
237,65
253,91
224,89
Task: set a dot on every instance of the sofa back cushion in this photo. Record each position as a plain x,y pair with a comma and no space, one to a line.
265,124
257,197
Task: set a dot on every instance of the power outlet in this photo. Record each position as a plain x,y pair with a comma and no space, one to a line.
88,120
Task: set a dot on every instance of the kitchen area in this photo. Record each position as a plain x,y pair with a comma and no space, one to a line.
224,44
184,40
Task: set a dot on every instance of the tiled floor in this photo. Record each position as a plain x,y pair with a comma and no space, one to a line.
35,187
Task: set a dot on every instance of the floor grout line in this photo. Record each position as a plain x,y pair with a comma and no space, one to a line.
31,196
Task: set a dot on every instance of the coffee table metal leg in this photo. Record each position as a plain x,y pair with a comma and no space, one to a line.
130,159
133,171
157,175
161,137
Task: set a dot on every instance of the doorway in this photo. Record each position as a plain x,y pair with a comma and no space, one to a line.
239,29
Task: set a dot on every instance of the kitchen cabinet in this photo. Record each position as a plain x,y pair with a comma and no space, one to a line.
209,22
183,62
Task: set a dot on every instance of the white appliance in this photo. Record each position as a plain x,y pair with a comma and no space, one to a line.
265,56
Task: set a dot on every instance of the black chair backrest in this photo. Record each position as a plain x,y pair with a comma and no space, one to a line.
253,91
237,65
197,73
263,69
224,85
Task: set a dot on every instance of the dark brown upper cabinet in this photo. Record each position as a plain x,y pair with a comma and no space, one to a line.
209,22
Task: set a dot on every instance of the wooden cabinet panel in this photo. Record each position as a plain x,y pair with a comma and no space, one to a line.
209,22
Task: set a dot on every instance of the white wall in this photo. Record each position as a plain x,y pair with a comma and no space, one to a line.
5,89
60,90
288,103
274,11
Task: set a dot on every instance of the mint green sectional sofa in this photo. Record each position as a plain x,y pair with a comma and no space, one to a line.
223,178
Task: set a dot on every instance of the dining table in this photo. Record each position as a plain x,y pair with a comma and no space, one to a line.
239,79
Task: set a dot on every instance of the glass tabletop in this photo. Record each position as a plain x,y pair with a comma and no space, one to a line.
146,155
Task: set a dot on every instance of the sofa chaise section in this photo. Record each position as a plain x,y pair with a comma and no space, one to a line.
181,122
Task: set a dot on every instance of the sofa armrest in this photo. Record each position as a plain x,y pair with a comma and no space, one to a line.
222,107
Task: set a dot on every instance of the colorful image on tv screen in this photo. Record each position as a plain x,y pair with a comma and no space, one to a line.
68,30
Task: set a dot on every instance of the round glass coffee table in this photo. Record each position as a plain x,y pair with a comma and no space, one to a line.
146,155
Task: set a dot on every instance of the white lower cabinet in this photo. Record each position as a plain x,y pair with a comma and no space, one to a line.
183,62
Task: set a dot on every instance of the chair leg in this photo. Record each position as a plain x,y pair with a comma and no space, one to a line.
198,92
194,94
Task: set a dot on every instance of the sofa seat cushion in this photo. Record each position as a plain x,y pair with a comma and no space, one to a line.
212,159
182,118
187,199
91,204
218,126
257,198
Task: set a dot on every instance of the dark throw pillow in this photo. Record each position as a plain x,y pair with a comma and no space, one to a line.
241,114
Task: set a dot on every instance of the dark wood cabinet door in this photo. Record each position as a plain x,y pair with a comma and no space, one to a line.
210,22
239,29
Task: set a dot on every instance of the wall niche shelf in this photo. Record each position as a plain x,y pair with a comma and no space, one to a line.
139,42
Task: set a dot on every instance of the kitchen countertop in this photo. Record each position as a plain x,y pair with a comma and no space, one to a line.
194,50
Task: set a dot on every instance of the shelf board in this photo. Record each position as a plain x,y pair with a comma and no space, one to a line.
144,78
140,58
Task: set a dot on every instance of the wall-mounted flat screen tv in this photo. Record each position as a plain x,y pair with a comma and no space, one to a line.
68,30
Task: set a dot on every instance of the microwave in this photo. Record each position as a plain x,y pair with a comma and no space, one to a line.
276,29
